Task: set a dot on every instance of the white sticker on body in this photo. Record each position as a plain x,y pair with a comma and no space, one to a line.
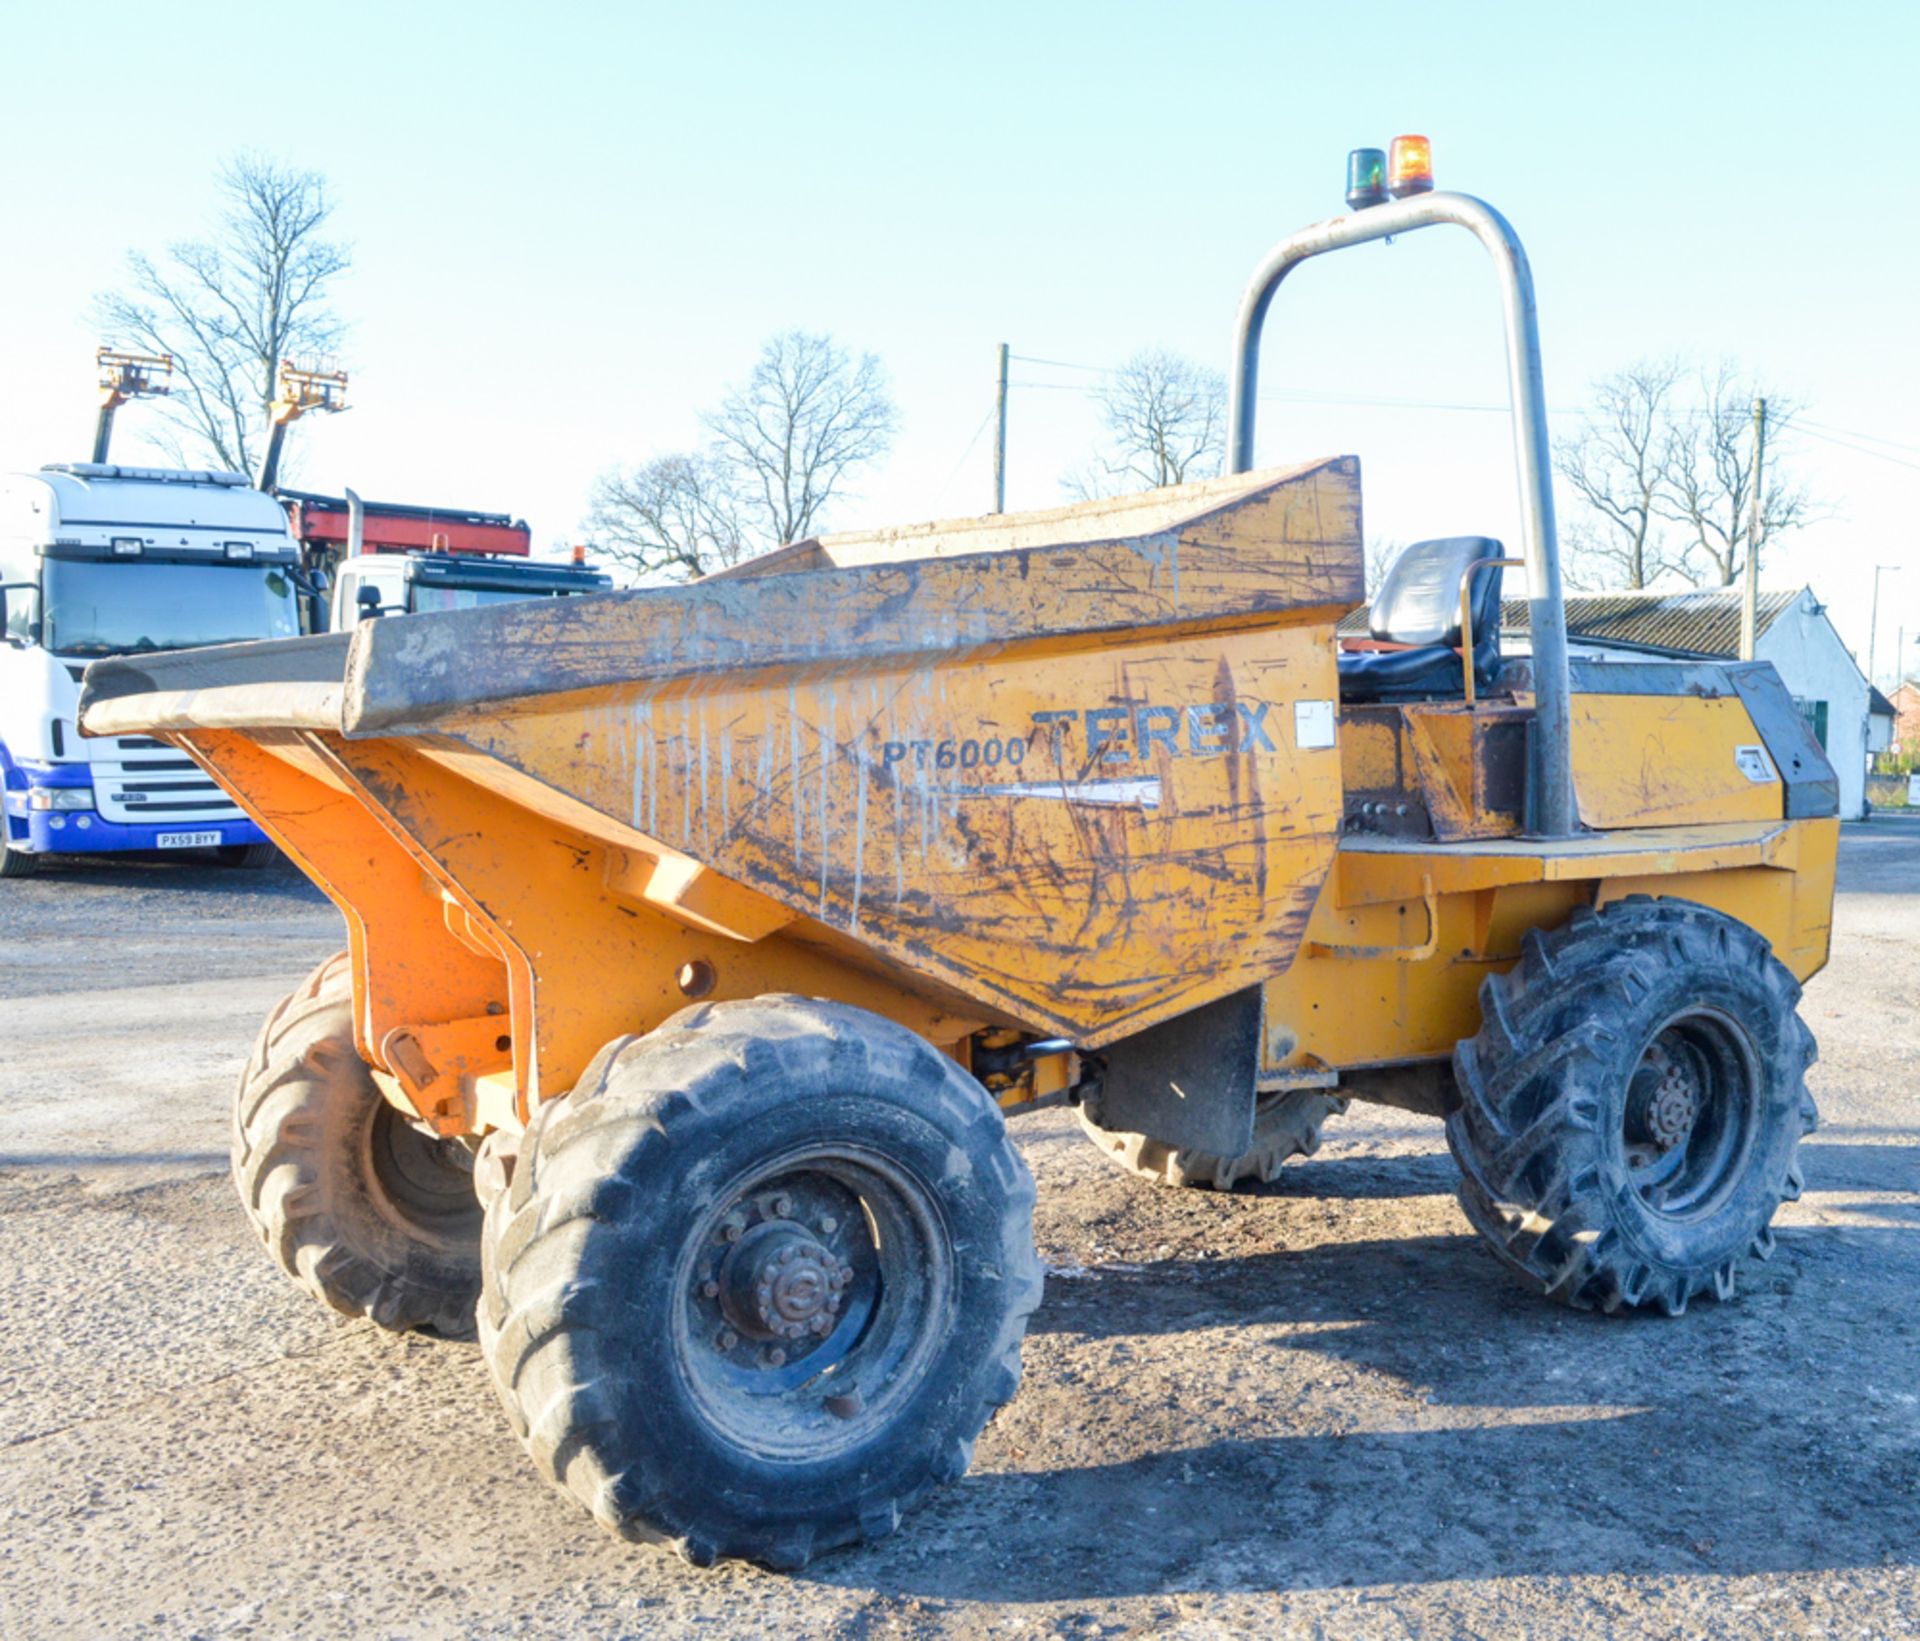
1312,725
1753,762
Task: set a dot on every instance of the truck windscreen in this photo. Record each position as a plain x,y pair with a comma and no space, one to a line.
93,607
440,597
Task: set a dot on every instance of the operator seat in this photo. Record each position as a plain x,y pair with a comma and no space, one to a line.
1418,605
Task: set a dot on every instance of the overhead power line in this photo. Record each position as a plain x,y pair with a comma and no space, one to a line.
1842,438
1857,449
1861,444
1060,364
941,494
1867,438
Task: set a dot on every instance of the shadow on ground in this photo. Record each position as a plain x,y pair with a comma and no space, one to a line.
1441,1423
169,872
195,1161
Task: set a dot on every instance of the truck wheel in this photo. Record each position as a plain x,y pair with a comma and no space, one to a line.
248,854
1632,1108
757,1283
15,862
1285,1125
365,1211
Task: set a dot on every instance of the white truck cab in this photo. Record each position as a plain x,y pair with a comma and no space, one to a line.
98,559
406,583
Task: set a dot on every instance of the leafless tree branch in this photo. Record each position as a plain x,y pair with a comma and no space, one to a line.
674,518
1707,476
1666,486
229,308
1613,465
1379,557
808,416
1165,420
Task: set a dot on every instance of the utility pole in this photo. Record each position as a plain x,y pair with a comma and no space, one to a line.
1750,593
1873,624
1000,438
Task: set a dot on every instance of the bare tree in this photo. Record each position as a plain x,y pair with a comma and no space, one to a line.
1615,465
1379,557
1667,487
675,517
1165,420
809,415
230,307
1706,477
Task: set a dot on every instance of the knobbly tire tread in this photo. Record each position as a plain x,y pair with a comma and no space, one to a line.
303,1084
1555,1033
1286,1125
550,1323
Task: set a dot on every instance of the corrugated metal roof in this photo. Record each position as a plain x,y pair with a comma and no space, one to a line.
1699,621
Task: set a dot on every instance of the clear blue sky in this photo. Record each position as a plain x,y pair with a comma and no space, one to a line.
573,225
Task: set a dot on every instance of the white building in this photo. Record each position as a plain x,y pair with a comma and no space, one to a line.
1792,632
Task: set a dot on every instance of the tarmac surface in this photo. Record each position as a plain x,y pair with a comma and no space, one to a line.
1316,1409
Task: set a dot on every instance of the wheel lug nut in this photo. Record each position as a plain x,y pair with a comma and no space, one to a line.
828,1224
776,1357
727,1340
782,1206
710,1290
733,1227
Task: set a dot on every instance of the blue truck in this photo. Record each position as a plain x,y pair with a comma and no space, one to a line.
98,559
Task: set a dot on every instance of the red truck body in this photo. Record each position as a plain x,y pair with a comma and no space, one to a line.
392,527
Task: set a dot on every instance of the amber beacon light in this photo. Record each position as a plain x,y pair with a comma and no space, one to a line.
1410,167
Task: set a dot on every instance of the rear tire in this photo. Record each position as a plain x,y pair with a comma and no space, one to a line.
1285,1125
365,1211
756,1284
248,854
1632,1107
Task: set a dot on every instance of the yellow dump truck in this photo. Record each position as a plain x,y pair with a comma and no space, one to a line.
701,939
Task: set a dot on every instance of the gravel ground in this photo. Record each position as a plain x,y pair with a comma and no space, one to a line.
1313,1410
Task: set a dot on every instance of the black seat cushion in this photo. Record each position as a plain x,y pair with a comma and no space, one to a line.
1418,604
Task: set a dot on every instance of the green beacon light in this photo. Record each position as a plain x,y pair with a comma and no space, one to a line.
1366,178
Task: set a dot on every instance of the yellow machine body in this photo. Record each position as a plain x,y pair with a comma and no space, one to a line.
1060,776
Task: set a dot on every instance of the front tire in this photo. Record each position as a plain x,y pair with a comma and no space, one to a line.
253,855
757,1283
15,862
1632,1107
366,1212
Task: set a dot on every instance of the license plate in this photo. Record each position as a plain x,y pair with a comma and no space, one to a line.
188,840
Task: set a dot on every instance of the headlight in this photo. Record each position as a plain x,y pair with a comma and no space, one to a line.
60,797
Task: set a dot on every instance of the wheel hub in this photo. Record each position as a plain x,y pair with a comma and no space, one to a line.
1667,1102
1673,1109
778,1283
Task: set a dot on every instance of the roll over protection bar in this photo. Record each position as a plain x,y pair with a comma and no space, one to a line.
1551,809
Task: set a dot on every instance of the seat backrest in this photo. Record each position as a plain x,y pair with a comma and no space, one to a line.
1419,598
